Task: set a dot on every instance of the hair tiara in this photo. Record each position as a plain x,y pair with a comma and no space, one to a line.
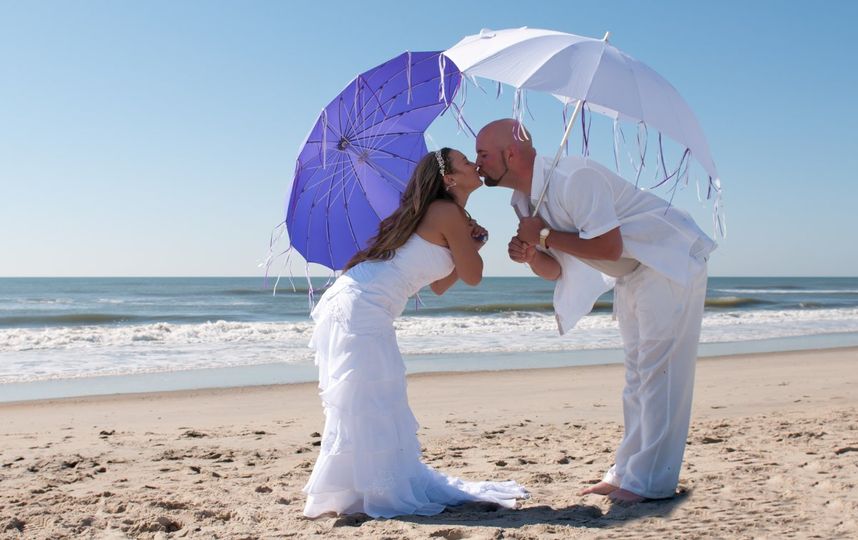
440,159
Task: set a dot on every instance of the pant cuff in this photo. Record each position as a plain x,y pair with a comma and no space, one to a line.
611,478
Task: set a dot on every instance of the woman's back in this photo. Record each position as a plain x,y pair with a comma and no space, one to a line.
389,283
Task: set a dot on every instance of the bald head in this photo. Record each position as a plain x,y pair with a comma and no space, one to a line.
505,132
505,154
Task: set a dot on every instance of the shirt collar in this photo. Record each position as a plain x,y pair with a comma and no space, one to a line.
524,204
538,181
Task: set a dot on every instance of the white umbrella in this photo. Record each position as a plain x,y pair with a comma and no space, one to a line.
585,70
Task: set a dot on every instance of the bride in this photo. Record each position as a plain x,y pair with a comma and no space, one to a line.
370,457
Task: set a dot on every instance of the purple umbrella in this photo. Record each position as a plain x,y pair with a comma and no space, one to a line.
359,155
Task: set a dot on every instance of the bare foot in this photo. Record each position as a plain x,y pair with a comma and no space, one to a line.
602,488
624,496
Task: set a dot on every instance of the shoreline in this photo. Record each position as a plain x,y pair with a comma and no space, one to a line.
772,452
287,373
223,391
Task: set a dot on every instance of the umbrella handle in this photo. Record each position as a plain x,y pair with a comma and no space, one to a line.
559,153
562,144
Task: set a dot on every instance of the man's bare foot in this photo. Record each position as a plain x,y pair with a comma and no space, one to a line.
602,488
624,496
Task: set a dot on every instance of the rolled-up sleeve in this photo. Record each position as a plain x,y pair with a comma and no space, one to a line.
588,198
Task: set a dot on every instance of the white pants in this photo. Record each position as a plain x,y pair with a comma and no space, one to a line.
660,325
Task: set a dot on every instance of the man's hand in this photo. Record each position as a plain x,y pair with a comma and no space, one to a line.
520,252
528,229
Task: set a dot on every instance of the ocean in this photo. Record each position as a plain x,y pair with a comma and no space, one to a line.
59,335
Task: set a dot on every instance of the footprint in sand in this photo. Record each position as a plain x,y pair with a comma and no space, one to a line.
15,524
352,520
165,524
541,478
449,534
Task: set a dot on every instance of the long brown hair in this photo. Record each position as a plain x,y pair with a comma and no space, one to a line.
425,186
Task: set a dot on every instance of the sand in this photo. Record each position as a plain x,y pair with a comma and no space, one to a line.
772,452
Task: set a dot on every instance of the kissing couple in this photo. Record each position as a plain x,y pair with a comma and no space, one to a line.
594,231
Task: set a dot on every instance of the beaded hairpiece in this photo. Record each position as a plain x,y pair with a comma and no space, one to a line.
440,160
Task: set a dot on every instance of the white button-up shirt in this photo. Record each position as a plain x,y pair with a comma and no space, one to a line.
587,198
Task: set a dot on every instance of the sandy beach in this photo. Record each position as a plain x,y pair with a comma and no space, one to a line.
772,452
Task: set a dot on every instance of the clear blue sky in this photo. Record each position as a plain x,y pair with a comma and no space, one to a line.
159,138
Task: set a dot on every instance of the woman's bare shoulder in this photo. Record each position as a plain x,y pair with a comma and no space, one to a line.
445,210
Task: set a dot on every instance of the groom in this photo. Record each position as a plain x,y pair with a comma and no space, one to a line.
595,231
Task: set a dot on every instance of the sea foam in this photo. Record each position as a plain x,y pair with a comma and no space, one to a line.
28,354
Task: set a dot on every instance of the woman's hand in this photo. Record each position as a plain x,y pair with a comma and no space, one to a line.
479,234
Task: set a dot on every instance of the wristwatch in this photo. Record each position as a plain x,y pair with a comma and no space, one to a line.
543,235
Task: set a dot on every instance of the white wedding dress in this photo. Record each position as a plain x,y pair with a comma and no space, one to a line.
370,457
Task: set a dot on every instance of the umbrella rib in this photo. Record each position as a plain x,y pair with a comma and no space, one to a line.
349,219
399,93
339,158
393,156
344,111
380,106
352,112
373,133
338,126
384,173
328,224
347,175
379,135
379,109
386,133
345,210
352,191
340,111
435,104
352,121
384,116
371,136
358,183
321,194
631,67
341,174
324,179
390,141
396,95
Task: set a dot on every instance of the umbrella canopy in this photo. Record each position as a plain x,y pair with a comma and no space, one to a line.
358,157
586,70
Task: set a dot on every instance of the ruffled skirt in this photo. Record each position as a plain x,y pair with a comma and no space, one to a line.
370,456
